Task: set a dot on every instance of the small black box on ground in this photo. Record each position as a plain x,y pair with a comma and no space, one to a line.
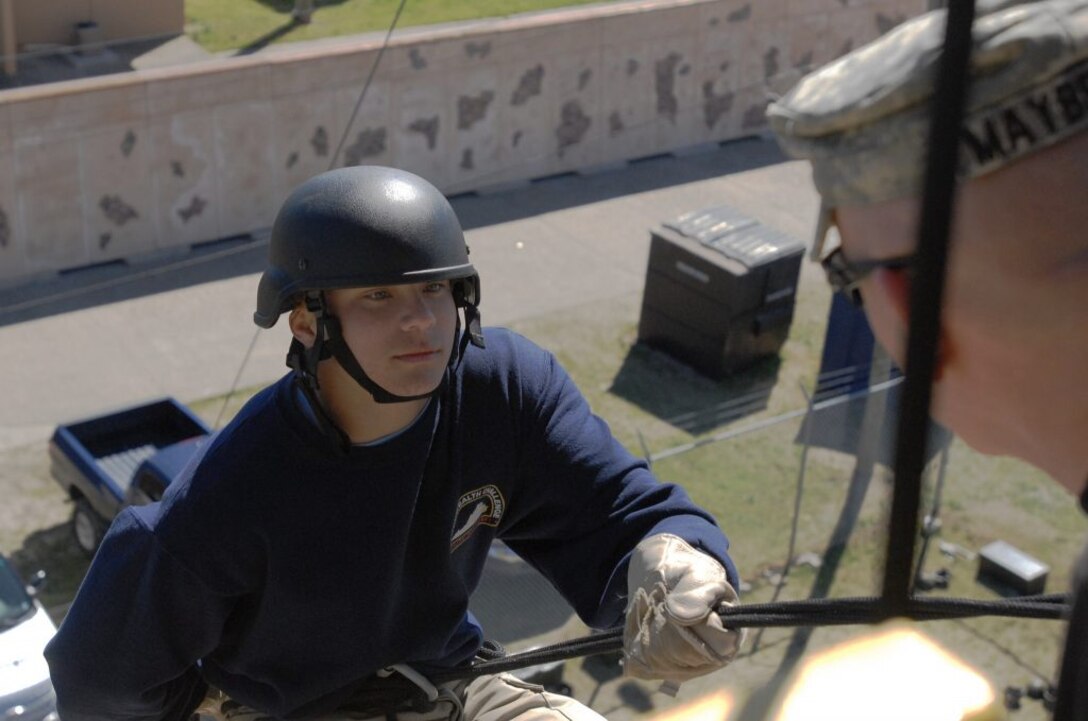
720,290
1011,567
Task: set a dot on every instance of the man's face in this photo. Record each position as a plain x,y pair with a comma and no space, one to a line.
978,365
402,335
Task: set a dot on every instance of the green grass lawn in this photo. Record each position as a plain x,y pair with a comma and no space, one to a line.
222,26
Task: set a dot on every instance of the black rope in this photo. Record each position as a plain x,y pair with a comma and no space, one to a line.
393,692
927,287
855,611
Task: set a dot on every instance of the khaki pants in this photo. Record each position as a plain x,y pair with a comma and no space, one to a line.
502,697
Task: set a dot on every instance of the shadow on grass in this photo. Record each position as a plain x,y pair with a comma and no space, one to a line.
509,583
269,38
605,668
635,697
54,551
286,6
681,396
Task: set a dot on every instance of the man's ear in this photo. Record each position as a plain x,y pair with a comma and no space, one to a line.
895,284
303,326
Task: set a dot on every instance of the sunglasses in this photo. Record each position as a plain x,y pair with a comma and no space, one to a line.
845,275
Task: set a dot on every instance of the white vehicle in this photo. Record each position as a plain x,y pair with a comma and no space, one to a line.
26,693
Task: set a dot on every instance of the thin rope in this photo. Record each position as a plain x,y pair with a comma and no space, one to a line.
237,378
366,85
332,164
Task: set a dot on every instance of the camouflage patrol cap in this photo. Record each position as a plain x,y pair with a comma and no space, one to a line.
863,120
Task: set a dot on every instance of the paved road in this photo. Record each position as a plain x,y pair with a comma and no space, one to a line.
97,339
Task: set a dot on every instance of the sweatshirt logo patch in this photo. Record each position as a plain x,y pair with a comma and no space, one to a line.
479,507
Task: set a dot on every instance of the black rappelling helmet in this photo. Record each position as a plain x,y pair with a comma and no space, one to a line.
357,227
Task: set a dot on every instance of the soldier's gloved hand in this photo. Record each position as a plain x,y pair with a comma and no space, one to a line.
672,632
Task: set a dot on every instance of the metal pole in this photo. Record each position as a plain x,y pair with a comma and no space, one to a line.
931,524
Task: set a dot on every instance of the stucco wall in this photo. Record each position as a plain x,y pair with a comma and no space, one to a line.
123,165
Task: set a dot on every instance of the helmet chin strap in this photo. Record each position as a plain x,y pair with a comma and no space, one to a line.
338,347
329,343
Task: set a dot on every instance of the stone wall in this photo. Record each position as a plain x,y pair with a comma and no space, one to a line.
121,166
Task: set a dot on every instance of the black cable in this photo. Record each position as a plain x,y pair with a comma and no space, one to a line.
852,611
813,612
927,286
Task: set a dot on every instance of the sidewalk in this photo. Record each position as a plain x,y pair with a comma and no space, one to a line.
99,339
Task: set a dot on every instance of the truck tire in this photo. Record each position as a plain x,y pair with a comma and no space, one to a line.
87,527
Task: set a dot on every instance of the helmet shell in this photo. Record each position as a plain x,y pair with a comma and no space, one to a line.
357,227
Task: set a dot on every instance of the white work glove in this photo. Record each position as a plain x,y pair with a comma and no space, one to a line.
672,632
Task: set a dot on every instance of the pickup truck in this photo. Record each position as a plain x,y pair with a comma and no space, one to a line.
123,458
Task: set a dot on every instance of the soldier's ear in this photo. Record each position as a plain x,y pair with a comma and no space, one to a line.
303,325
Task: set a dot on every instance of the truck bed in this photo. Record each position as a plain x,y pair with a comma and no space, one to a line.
96,458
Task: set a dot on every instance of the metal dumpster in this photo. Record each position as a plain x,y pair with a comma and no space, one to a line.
720,290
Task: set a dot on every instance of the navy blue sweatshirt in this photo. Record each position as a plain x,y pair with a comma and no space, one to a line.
284,571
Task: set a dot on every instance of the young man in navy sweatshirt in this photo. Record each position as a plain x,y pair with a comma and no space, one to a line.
332,534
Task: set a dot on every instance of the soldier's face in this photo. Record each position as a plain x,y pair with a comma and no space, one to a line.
1010,313
967,396
402,335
